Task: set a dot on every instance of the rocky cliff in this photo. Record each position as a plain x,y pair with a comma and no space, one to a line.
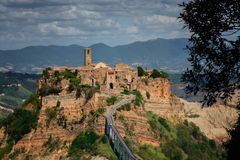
61,118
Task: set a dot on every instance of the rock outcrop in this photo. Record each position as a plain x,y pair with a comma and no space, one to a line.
134,123
72,115
213,121
157,88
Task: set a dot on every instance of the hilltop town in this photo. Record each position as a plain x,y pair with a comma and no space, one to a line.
116,79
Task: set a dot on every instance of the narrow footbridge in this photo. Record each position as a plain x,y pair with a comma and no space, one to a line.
116,141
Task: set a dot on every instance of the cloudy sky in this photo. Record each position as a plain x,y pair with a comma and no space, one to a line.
85,22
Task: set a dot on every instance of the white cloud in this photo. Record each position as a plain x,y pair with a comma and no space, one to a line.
131,30
73,12
54,28
156,20
87,21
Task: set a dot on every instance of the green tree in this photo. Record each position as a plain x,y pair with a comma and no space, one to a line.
140,71
155,73
214,54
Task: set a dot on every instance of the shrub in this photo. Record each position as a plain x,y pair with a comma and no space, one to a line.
97,86
89,143
19,123
6,150
75,82
140,71
46,90
84,142
68,74
112,100
156,74
52,143
33,99
148,152
126,92
145,81
52,113
138,99
100,111
148,95
46,72
125,107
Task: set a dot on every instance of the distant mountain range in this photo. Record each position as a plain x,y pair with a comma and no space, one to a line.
166,54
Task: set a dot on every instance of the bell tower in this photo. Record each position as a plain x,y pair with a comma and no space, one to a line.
87,56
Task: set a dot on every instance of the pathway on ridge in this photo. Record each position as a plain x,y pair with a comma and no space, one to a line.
110,124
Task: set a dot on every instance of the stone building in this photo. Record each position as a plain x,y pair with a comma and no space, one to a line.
117,78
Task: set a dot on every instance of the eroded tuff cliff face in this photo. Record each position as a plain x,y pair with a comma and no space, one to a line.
135,123
213,121
61,118
154,89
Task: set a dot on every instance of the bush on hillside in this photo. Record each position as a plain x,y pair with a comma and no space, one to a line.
89,143
183,140
159,74
19,123
140,71
112,100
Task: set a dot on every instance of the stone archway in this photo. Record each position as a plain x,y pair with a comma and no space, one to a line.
111,85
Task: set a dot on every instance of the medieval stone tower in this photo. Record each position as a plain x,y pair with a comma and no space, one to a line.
87,56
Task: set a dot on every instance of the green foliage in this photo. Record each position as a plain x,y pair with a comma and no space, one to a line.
46,90
99,112
213,48
145,81
159,74
6,150
90,92
125,107
183,140
140,71
52,144
62,121
46,73
75,82
147,152
15,153
214,54
148,95
161,127
19,123
112,100
97,86
89,143
34,100
126,92
84,141
155,74
52,113
139,98
68,74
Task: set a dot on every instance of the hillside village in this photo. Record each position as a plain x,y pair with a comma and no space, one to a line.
97,111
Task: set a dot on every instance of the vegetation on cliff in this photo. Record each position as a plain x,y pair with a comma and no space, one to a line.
88,144
159,74
178,141
19,123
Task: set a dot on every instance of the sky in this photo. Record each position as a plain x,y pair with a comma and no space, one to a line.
86,22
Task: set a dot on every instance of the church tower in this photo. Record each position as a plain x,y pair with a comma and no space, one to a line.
87,56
